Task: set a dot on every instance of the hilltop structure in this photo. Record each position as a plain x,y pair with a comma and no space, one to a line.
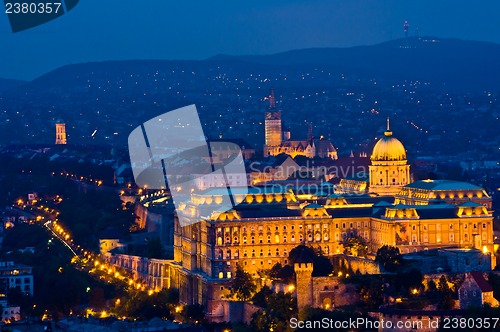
272,220
278,141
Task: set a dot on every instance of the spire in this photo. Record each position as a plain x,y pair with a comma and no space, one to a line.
388,132
272,101
310,132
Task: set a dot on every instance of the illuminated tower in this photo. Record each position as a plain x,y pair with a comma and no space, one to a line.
406,26
272,125
389,170
60,132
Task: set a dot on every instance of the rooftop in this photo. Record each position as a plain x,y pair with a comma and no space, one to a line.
442,185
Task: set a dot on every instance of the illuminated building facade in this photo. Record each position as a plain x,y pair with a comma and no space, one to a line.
389,170
272,220
275,143
60,132
272,126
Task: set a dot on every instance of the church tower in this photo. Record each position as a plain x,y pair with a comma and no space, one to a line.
389,170
60,132
272,125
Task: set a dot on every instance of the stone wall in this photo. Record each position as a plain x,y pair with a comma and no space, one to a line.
357,264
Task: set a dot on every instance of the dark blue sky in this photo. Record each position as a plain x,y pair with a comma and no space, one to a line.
187,29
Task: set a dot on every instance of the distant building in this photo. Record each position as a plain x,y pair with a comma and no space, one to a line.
109,240
276,143
14,275
475,291
60,132
225,148
10,313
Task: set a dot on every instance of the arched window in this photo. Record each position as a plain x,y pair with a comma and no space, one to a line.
277,238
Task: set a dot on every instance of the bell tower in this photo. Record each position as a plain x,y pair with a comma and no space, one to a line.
60,132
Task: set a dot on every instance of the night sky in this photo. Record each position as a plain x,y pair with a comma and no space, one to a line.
163,29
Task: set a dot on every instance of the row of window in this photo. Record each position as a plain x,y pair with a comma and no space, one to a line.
227,230
451,237
310,238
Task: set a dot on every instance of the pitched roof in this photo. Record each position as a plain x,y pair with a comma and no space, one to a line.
470,204
483,284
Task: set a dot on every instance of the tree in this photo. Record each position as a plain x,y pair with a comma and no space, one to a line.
275,270
260,298
302,253
446,294
389,257
155,248
407,281
372,294
193,313
355,246
242,285
280,307
96,298
287,274
321,264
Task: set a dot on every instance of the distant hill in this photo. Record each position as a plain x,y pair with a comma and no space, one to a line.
457,63
333,88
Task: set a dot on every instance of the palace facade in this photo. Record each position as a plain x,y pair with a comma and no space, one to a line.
272,220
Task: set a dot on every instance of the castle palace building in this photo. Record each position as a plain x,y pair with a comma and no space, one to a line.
270,221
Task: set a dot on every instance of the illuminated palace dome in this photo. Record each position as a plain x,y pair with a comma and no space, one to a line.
388,148
389,171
